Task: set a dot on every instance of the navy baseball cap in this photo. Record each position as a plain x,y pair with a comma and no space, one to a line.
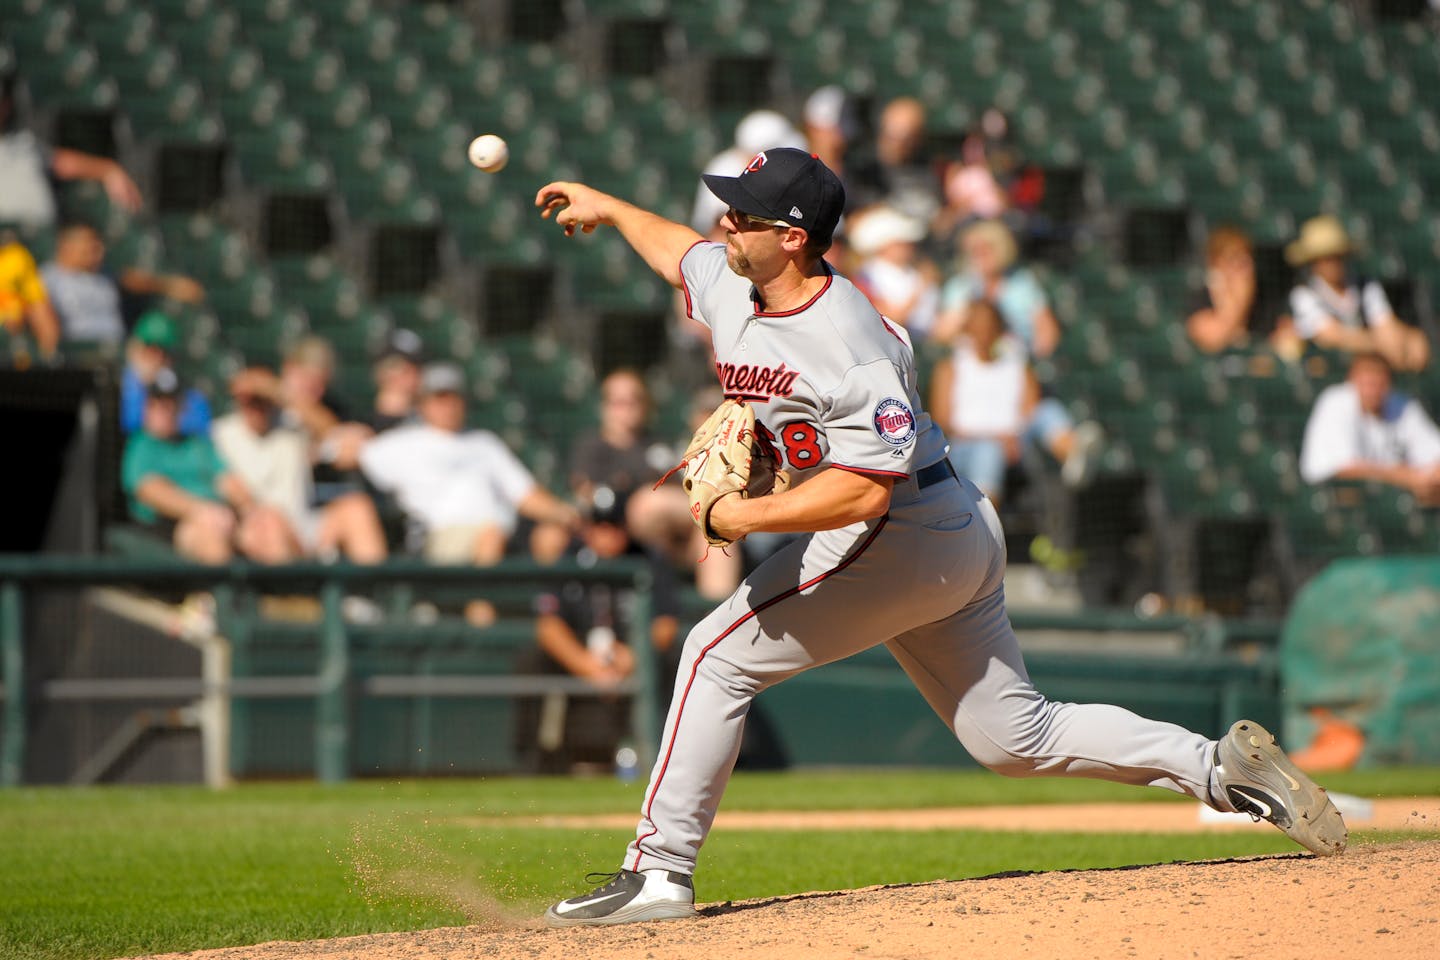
788,185
165,386
442,378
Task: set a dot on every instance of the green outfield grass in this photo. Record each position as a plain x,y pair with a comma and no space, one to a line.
118,871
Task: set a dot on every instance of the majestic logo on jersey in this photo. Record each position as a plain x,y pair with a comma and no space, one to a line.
747,382
894,422
756,163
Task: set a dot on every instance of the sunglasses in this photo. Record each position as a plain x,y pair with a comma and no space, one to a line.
747,222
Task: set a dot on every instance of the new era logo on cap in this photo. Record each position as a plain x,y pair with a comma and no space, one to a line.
789,185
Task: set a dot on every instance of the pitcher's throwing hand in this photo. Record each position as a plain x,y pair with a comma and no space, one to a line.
572,205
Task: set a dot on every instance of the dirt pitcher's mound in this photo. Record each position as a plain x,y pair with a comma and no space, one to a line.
1375,901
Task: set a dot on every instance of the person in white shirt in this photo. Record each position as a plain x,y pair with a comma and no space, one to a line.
901,285
1340,311
87,297
464,487
273,462
987,400
1362,429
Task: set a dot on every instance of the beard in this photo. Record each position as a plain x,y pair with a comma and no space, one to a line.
736,259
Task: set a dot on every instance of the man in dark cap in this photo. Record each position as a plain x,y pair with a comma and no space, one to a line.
177,484
464,488
397,380
896,549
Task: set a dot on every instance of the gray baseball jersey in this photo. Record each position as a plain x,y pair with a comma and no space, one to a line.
834,383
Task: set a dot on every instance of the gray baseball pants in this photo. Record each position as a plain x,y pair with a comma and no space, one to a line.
926,581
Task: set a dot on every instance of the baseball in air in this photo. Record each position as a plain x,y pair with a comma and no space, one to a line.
489,153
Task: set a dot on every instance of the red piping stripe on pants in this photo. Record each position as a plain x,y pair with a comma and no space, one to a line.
679,715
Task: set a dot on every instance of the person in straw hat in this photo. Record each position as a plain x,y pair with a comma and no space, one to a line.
1343,311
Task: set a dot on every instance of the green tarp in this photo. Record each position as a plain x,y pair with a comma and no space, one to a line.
1363,639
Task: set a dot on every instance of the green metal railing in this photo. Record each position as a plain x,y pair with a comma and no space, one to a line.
334,680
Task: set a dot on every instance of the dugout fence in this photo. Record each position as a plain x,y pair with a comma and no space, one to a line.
98,654
107,675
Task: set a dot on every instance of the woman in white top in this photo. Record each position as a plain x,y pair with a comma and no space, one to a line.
1340,311
987,400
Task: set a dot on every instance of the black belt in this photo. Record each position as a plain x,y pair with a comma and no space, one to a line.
933,474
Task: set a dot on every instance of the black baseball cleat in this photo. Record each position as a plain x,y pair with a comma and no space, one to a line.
627,897
1257,778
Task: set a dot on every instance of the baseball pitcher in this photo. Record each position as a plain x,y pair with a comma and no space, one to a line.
897,549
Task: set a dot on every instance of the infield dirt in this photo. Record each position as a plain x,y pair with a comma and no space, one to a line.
1380,900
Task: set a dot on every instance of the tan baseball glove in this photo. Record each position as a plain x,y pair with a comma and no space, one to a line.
728,456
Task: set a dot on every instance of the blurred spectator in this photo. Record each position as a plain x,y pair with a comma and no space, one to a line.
971,191
899,282
625,457
1363,429
177,485
273,463
1342,311
152,344
583,629
989,181
830,127
88,299
622,454
988,402
582,626
899,174
23,301
308,405
26,166
990,273
1023,183
1228,313
759,131
397,381
464,487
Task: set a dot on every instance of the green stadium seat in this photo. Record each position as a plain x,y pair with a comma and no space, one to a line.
1188,478
278,158
72,78
316,284
436,321
445,41
280,28
41,31
244,97
1323,526
1273,475
1399,520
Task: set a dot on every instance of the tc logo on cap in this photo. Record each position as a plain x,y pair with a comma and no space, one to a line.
756,163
